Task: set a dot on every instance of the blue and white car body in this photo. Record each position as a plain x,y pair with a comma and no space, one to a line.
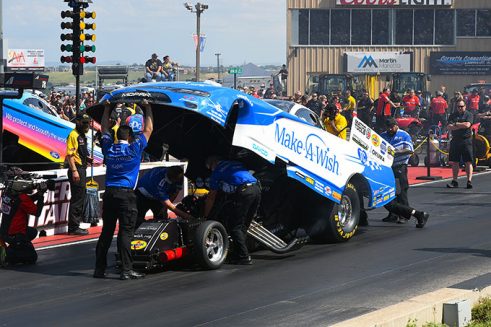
321,162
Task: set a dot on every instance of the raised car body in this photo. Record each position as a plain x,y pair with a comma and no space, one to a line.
39,128
197,120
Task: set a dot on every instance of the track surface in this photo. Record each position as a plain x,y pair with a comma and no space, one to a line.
318,285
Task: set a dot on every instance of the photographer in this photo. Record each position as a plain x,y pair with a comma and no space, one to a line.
14,230
335,123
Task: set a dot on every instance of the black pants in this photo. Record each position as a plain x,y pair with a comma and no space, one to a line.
77,191
364,116
400,205
118,204
246,201
380,123
144,204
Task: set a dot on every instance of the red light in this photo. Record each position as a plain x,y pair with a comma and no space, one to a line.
82,60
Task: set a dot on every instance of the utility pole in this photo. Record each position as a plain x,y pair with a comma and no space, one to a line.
2,59
198,9
218,66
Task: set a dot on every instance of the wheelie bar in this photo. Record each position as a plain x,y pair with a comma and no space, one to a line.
273,242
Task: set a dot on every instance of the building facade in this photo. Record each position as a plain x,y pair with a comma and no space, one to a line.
373,39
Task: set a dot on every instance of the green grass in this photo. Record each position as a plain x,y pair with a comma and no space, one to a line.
481,313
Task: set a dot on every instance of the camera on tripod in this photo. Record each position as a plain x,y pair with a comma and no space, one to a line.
17,181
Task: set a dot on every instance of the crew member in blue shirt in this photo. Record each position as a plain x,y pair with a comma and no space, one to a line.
119,202
399,209
156,191
233,179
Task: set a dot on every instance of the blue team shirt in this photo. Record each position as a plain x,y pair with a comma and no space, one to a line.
122,160
154,185
400,141
228,175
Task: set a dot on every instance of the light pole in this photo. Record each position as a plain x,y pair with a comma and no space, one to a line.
218,66
199,8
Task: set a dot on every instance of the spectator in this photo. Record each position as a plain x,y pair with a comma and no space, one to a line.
397,100
168,69
297,97
153,69
284,76
453,102
461,144
364,108
269,91
349,108
335,123
314,104
473,102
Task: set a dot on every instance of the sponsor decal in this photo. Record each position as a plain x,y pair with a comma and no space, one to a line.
391,151
299,174
360,142
368,134
360,127
54,154
313,148
383,147
164,236
392,194
375,140
138,245
136,94
378,155
327,190
336,195
386,198
259,149
363,156
309,180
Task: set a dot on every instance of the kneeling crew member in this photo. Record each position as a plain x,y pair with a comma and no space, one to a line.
119,203
335,123
14,230
403,145
156,191
233,179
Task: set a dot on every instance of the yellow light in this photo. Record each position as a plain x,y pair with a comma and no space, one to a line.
82,25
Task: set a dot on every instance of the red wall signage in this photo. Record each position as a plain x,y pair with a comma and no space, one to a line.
389,3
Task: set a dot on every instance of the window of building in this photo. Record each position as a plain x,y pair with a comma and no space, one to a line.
380,27
319,27
483,23
404,27
466,23
445,27
303,26
361,30
424,28
340,27
387,26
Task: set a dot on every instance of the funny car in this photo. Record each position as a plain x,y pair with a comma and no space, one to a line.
313,183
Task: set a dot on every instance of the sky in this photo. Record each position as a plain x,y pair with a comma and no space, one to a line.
129,31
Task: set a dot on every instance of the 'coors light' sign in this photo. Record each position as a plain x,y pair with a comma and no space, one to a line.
394,2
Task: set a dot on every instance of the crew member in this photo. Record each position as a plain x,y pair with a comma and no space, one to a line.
233,179
459,123
77,158
411,104
156,191
438,110
119,203
473,103
403,145
14,230
335,123
383,112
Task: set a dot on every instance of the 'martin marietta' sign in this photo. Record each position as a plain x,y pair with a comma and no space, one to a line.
394,2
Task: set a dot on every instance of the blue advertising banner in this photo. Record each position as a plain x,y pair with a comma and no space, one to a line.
460,63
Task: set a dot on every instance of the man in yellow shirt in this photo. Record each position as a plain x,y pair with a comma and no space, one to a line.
77,158
335,123
349,107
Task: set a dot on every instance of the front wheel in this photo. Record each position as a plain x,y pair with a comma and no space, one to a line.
341,221
210,244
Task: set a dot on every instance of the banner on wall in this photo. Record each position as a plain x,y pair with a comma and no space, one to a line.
377,62
460,63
